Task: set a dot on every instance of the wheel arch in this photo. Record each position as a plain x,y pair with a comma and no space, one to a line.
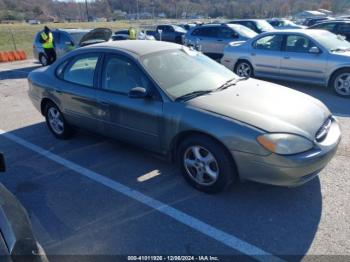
334,72
241,59
43,104
179,138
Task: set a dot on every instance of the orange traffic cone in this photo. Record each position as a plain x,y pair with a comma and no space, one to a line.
23,55
3,57
10,56
15,55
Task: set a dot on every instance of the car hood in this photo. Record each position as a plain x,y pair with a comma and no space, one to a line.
267,106
96,36
345,55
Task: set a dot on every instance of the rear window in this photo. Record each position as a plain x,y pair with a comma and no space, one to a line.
77,36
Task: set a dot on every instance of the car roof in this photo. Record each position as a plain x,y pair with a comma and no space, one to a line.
136,47
308,32
253,20
340,21
73,30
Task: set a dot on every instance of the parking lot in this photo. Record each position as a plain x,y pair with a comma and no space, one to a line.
94,196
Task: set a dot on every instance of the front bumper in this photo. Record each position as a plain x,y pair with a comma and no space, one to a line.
291,170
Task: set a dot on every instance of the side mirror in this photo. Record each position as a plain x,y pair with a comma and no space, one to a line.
138,92
2,163
314,50
235,35
69,43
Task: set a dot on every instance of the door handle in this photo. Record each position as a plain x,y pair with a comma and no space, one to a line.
103,103
219,40
253,54
286,57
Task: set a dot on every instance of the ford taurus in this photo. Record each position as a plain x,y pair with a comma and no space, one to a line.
177,102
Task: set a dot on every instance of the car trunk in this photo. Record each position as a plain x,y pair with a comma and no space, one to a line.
95,36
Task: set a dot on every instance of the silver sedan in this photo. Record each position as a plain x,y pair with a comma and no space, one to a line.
181,104
310,56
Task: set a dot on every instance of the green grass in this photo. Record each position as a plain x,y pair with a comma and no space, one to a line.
23,34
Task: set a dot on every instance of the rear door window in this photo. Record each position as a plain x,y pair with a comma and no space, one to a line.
269,43
81,71
205,32
226,33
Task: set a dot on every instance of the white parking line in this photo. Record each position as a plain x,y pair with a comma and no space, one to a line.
194,223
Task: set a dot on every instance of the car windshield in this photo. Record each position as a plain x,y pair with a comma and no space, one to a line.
264,26
244,31
179,29
77,36
331,41
181,72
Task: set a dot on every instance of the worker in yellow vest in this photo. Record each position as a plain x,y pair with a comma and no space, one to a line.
132,33
48,44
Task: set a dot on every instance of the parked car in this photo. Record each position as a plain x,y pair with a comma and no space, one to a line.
124,35
67,40
300,55
283,24
315,20
17,241
337,27
170,33
257,25
187,27
212,38
179,103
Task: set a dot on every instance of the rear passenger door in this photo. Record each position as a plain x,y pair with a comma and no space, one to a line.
266,55
225,36
168,33
205,38
76,89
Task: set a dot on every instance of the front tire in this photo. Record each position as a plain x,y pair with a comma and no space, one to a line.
206,164
340,82
56,122
244,69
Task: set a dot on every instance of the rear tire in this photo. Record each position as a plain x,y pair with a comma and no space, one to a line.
178,40
43,59
56,122
206,164
244,69
340,82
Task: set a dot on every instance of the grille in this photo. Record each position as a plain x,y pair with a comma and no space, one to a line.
323,131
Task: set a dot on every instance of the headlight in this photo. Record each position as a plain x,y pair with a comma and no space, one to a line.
285,144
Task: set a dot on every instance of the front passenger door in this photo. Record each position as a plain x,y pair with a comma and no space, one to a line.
298,62
133,119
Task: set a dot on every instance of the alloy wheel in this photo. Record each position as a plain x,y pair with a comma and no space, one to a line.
201,165
342,84
244,70
55,120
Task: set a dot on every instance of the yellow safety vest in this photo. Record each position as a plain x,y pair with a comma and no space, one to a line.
132,34
48,39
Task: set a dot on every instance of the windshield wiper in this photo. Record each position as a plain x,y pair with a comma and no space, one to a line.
340,49
230,82
193,95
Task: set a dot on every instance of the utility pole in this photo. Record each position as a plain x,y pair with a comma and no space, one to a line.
87,10
137,10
